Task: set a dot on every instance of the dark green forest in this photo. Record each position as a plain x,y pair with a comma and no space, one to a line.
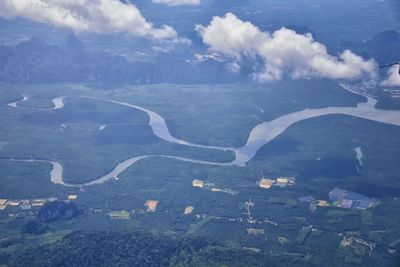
135,249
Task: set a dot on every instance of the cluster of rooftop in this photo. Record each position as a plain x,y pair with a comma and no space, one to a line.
314,203
151,205
394,93
280,182
343,199
198,183
188,210
24,204
212,187
255,231
350,200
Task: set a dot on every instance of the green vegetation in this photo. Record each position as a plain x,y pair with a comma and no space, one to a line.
228,122
303,234
319,152
283,240
316,232
350,259
377,236
35,228
287,202
28,180
122,215
196,226
133,249
77,126
57,210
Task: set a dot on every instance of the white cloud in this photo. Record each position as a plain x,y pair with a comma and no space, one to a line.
283,52
178,2
231,36
393,77
233,67
206,57
87,16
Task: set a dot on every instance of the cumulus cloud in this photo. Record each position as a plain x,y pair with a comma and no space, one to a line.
87,16
393,77
282,52
178,2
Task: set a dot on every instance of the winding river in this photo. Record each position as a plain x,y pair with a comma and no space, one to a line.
260,135
56,172
16,103
58,103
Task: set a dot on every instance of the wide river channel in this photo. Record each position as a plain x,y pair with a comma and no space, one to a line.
260,135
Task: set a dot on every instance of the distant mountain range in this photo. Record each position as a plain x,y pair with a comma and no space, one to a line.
384,47
35,61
